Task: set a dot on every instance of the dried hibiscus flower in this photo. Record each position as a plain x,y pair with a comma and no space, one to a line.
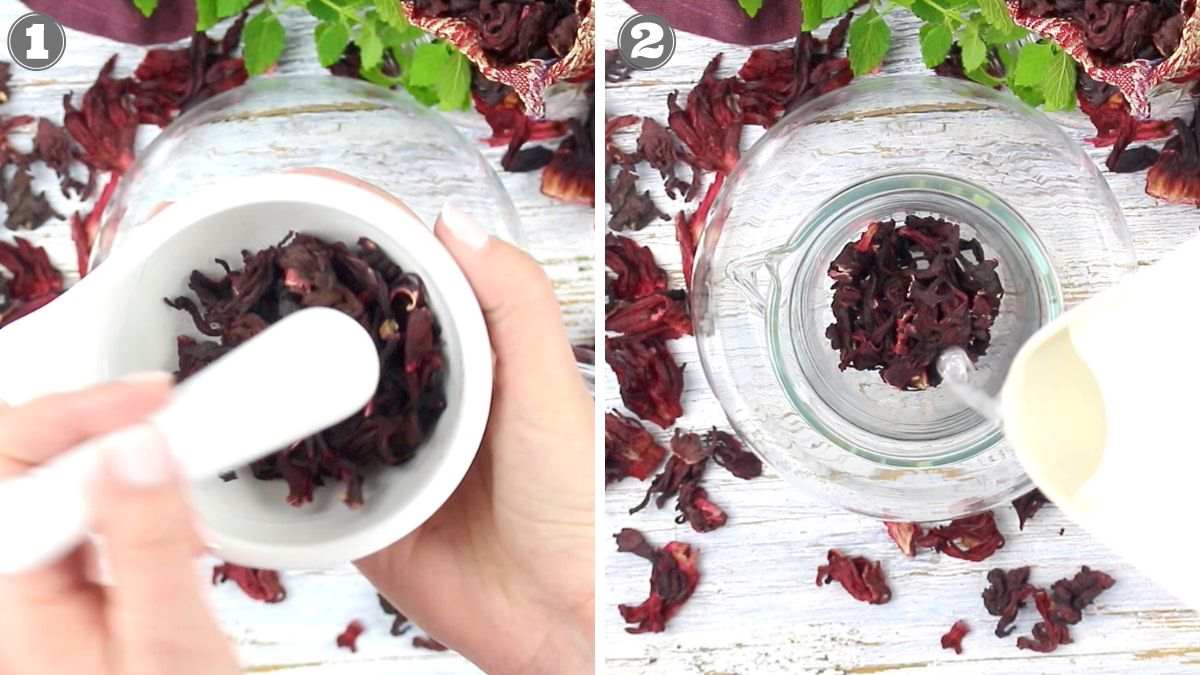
27,209
658,147
570,174
954,637
1005,595
1028,504
631,210
635,273
862,578
673,579
727,452
348,639
512,31
261,585
169,81
1117,32
1175,177
697,510
400,624
972,538
904,294
662,314
904,535
650,381
33,281
685,466
304,271
1061,607
629,450
775,81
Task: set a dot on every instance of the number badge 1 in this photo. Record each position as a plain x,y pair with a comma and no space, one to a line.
36,41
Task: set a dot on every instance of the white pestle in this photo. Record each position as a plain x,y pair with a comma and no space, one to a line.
304,373
1101,408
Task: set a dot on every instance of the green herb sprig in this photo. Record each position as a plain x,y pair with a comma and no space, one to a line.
392,51
994,50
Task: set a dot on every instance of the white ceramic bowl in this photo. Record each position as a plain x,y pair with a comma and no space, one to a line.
249,521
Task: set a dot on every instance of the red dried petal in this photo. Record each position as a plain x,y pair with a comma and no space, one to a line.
257,584
631,210
862,578
710,125
629,450
348,639
673,579
954,637
106,125
903,534
33,276
1047,634
505,114
1005,595
728,452
571,174
972,538
697,510
774,81
663,315
1175,177
651,382
1029,504
636,272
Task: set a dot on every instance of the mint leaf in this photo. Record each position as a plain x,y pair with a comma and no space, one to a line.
935,41
322,11
439,74
832,8
974,51
370,46
870,38
1058,87
812,14
206,14
332,38
389,13
926,10
146,7
995,12
262,41
230,7
1033,63
751,7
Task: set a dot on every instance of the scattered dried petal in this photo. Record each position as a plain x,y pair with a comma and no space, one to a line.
663,315
651,382
570,175
400,624
629,450
27,210
673,579
727,451
1029,504
696,509
1005,595
425,642
862,578
631,210
904,534
1175,177
954,637
257,584
348,639
635,272
972,538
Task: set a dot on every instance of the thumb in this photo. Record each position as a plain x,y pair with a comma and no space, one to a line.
155,610
534,361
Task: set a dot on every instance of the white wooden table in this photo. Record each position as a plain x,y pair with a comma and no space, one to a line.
757,609
297,636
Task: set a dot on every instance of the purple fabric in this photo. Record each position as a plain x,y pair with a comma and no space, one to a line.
725,20
120,20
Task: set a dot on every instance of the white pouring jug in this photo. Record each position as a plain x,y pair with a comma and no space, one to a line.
1101,408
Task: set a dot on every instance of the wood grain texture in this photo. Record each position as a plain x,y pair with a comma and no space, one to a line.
757,609
297,636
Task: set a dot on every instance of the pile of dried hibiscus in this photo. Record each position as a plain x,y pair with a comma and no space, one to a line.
392,305
1117,32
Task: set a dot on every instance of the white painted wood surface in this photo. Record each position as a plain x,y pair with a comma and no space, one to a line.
297,636
757,609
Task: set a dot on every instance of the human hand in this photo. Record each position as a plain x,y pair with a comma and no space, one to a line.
504,572
154,618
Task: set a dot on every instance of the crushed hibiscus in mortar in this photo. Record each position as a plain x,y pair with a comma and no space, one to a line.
902,294
391,304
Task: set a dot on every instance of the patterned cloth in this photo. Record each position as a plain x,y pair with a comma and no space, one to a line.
1135,79
529,78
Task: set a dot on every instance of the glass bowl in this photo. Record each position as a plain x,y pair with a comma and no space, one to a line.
273,124
879,149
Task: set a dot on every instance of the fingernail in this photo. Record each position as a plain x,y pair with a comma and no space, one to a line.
148,377
463,226
138,457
